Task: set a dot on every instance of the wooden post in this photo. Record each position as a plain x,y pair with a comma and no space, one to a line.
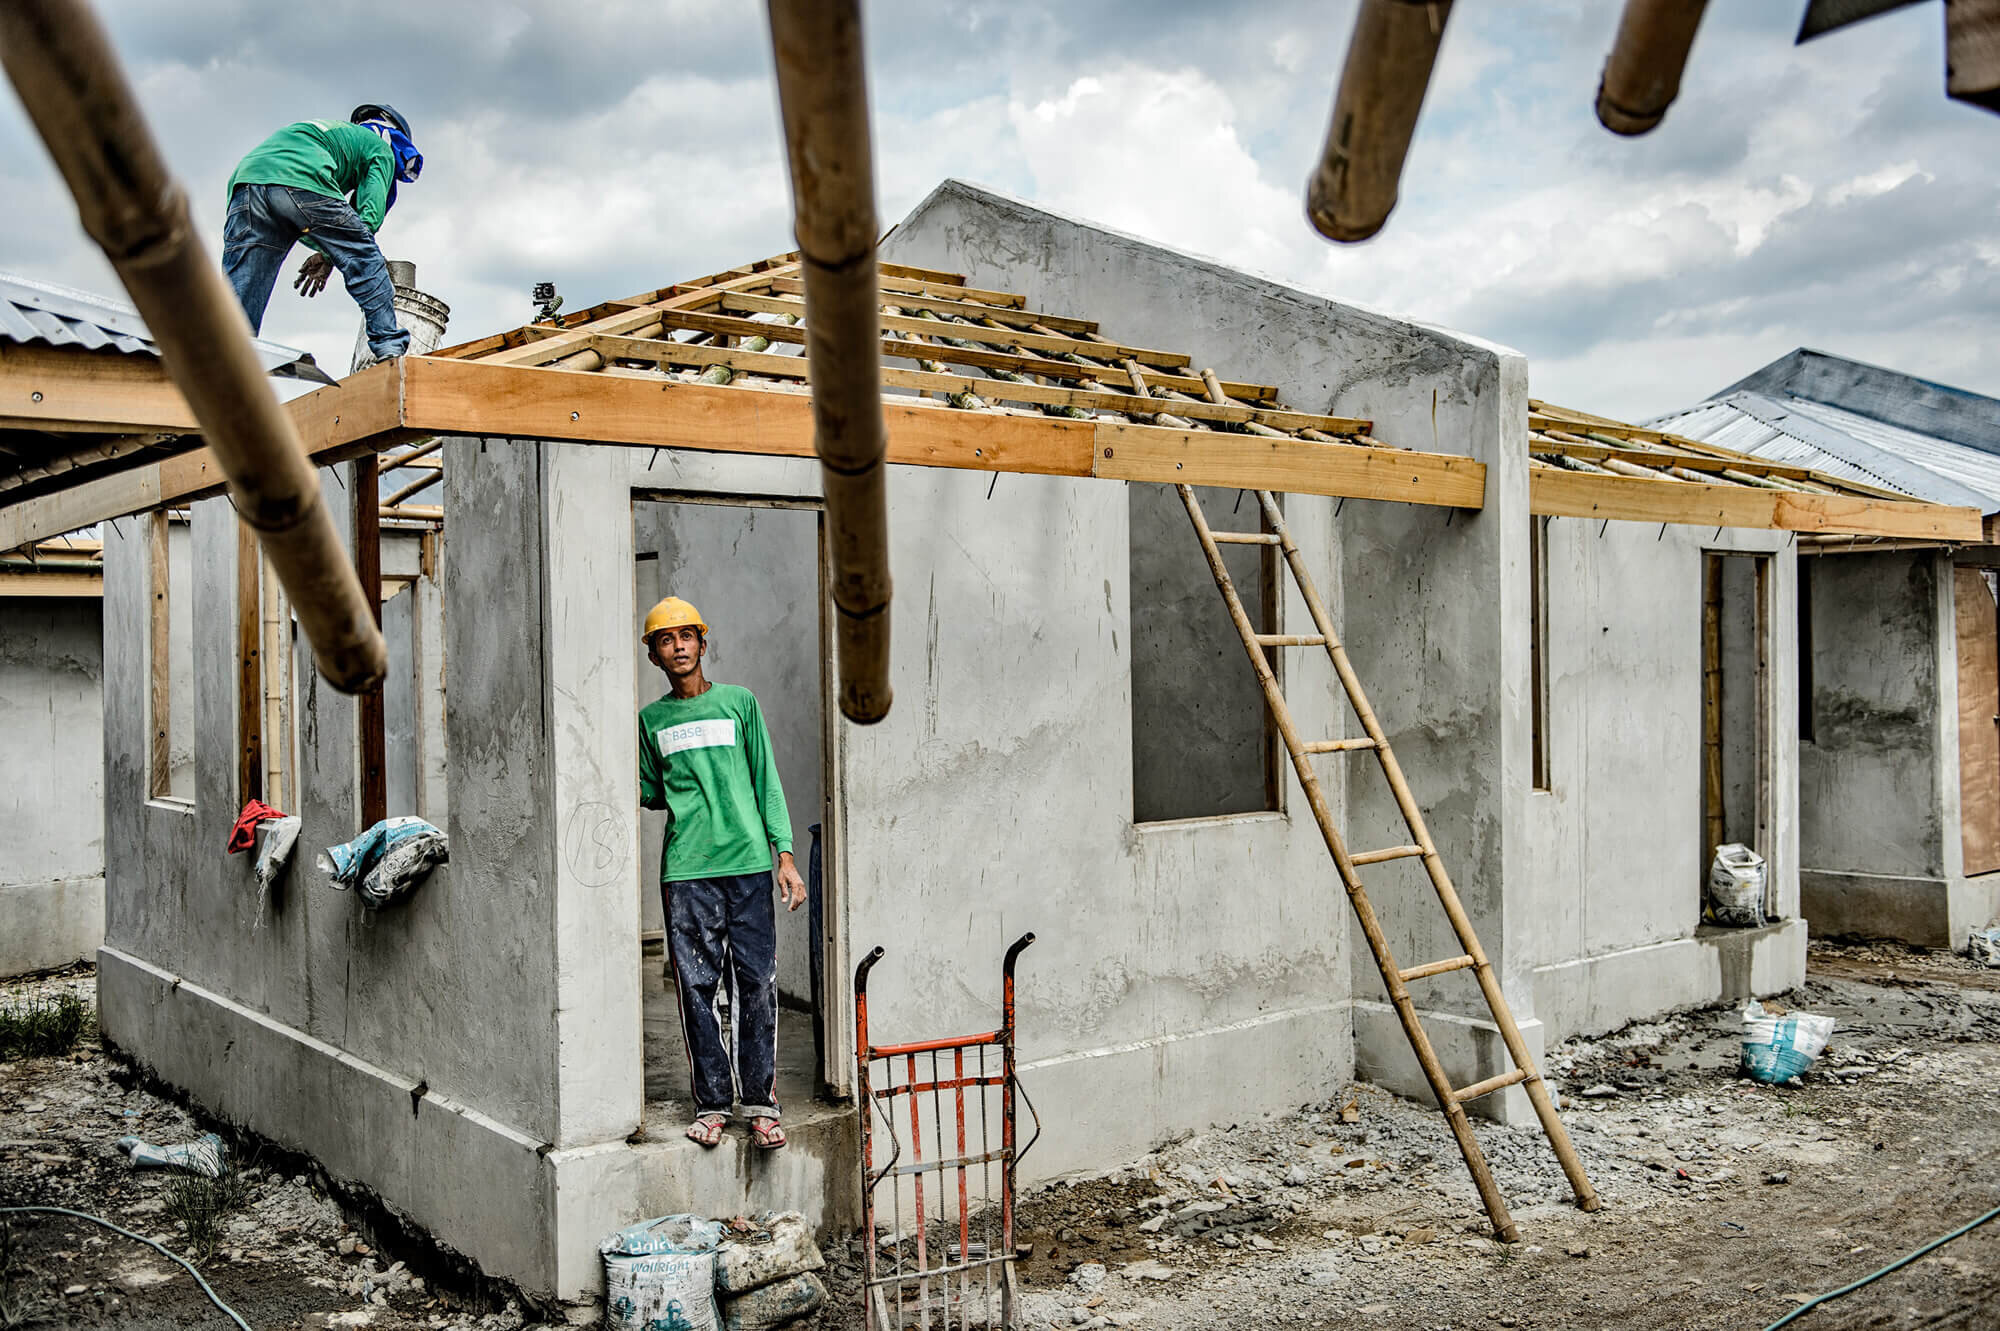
367,483
1972,51
62,64
1642,75
277,670
159,629
823,95
1389,60
250,671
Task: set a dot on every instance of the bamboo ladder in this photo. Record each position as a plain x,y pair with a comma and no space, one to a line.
1452,1099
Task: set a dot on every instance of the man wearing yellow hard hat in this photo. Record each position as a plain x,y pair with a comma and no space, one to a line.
705,757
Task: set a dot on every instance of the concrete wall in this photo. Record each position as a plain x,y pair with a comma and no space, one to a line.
1616,862
51,735
414,1049
1422,601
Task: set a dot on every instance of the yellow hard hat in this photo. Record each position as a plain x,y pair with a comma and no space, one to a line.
671,613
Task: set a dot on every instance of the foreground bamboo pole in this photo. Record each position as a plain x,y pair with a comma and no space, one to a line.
61,63
1642,75
1389,60
823,95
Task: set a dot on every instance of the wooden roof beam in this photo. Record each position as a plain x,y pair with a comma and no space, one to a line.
1561,493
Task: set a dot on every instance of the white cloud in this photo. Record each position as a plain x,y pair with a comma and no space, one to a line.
1157,153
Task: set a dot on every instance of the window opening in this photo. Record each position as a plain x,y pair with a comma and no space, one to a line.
170,641
1203,743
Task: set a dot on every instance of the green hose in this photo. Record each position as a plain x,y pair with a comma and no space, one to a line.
1896,1265
136,1238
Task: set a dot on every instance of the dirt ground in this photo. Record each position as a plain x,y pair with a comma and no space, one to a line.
1726,1202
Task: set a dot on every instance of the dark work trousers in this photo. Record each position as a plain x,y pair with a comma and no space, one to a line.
717,926
265,221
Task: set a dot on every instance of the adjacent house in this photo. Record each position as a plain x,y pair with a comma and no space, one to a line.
85,397
1575,632
1898,647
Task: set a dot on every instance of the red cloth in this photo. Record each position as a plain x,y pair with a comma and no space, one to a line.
244,834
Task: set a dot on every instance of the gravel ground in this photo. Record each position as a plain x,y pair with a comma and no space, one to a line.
1725,1202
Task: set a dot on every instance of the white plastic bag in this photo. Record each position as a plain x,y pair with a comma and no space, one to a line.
1778,1048
659,1275
1984,947
1736,886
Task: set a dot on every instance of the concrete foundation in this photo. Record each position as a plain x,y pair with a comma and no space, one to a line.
52,806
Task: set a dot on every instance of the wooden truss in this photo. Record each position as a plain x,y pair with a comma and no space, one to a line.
974,379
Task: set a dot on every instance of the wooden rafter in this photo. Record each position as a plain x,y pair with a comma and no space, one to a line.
704,366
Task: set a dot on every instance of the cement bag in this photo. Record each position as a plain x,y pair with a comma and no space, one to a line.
1736,886
777,1244
777,1304
659,1275
1778,1048
386,862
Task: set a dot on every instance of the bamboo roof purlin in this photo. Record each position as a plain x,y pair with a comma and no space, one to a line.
1701,483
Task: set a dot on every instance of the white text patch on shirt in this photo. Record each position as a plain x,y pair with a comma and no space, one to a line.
716,734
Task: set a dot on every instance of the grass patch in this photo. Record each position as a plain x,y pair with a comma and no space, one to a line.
201,1206
20,1304
43,1027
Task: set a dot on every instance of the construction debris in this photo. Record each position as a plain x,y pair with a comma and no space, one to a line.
204,1155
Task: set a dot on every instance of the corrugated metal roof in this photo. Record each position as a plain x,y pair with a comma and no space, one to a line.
36,311
1842,443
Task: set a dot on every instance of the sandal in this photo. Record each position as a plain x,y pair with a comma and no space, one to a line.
706,1130
767,1133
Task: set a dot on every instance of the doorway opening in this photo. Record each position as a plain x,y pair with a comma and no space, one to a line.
1736,705
755,569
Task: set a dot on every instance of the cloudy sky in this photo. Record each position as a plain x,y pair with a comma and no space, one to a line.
1826,195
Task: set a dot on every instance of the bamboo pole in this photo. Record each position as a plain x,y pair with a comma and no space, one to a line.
1972,52
1642,75
1389,60
720,375
823,98
63,66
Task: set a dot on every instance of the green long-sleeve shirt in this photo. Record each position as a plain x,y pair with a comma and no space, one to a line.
707,760
328,157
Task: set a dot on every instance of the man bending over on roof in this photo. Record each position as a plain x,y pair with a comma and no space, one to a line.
705,757
329,183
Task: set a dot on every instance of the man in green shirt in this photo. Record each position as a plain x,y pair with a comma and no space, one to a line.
329,183
705,757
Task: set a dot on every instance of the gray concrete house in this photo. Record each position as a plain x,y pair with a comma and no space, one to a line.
1076,747
85,397
51,738
1898,647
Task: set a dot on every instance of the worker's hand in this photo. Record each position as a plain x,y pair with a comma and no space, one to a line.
790,886
313,274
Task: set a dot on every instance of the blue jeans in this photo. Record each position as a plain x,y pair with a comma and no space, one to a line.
263,223
718,926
